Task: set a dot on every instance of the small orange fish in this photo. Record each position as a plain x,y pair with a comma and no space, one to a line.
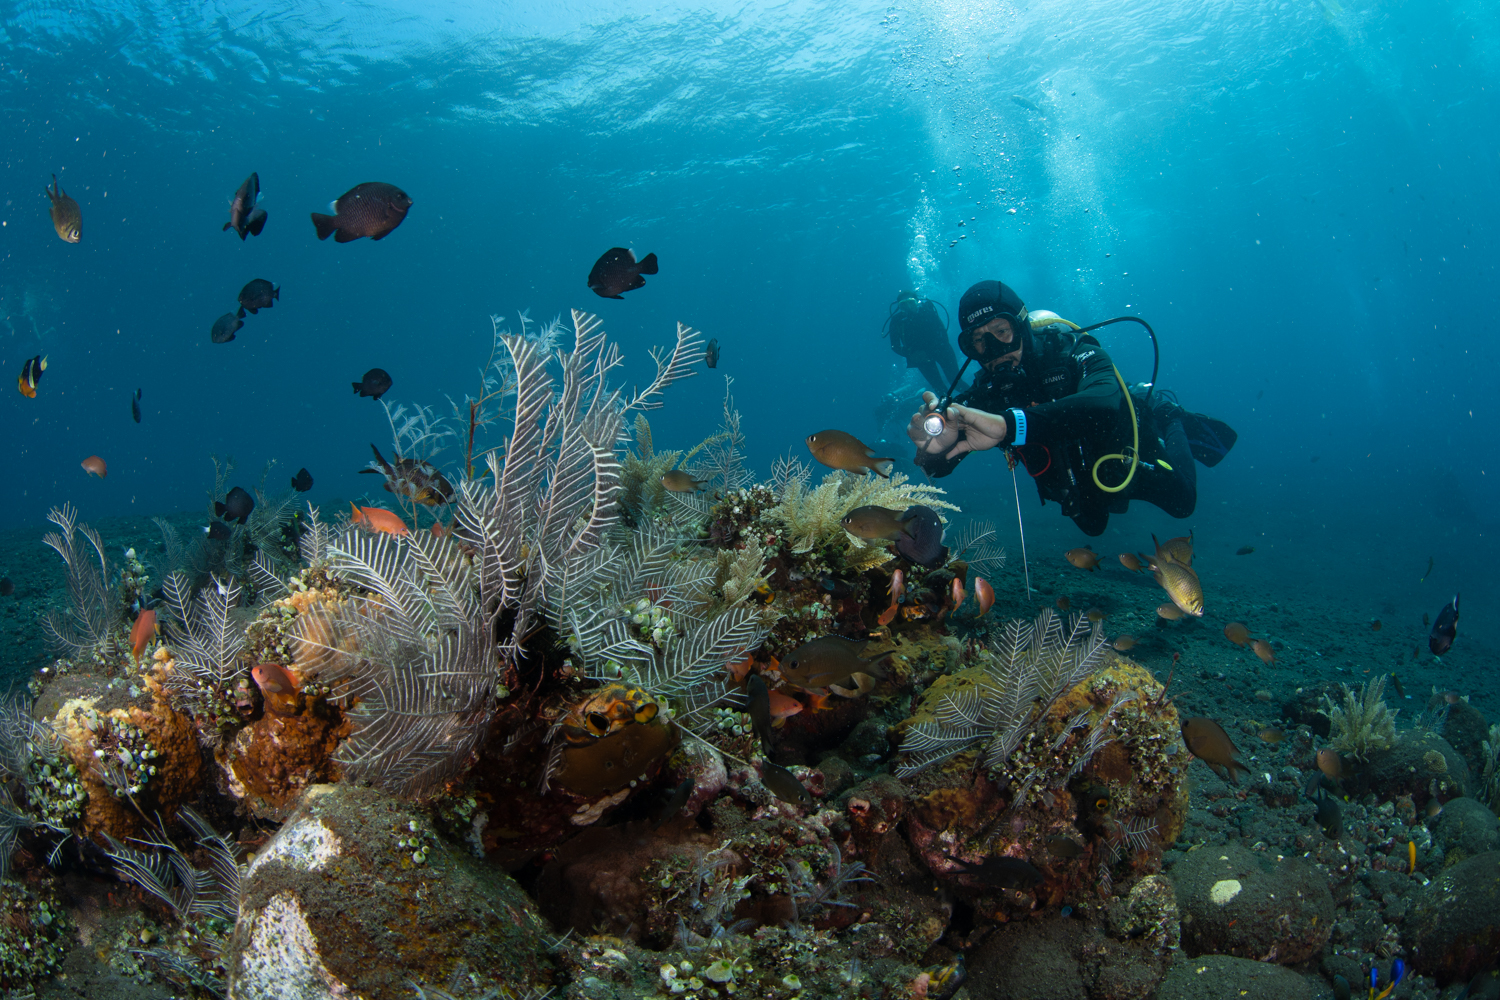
783,707
94,466
1095,614
1237,633
1375,625
984,595
1063,604
841,450
1131,563
739,671
1169,611
958,593
679,481
379,519
272,678
898,586
142,631
277,687
1330,763
1124,642
1264,651
1084,558
889,614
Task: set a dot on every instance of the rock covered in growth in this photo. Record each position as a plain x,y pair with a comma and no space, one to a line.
1119,952
1252,905
33,936
270,762
1464,726
1465,828
354,896
152,756
1222,977
1454,928
1088,815
1421,764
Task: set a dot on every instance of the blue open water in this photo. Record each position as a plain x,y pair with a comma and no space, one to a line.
1299,196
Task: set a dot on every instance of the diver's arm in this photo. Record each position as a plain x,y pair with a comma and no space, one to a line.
965,429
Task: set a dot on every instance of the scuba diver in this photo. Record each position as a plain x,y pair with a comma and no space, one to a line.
919,336
1056,403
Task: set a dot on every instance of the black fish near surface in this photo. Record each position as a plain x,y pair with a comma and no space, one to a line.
711,354
258,294
923,541
236,506
242,210
375,384
302,481
617,271
371,209
135,406
218,531
1445,629
224,328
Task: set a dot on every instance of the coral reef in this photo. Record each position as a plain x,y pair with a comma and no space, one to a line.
547,671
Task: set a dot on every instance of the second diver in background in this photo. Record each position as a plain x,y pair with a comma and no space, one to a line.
1055,401
920,336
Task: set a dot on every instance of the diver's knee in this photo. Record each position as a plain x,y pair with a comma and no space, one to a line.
1091,525
1183,506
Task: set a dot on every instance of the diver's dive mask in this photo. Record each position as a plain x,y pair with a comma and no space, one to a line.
977,345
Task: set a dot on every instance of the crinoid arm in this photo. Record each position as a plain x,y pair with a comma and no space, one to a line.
92,613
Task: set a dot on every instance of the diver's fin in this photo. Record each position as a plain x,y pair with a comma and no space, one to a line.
1209,439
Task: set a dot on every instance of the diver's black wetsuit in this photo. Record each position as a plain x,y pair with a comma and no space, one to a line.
1066,401
921,337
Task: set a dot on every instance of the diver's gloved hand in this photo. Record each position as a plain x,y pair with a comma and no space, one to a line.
966,429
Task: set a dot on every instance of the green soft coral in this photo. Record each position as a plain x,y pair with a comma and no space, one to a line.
1363,723
813,518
